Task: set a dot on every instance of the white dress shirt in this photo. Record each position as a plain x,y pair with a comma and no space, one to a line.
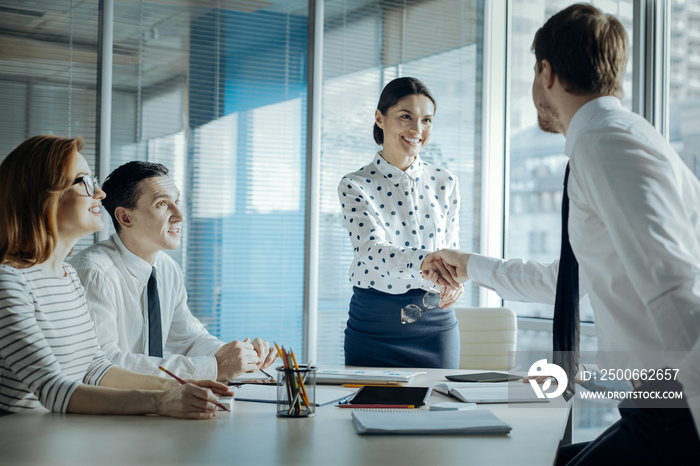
634,226
394,218
115,281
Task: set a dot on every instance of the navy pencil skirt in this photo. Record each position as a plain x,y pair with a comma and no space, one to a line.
375,336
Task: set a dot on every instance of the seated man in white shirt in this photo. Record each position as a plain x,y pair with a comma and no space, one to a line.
121,273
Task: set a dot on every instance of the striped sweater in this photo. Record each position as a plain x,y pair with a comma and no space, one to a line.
47,341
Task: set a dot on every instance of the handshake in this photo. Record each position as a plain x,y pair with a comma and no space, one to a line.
448,269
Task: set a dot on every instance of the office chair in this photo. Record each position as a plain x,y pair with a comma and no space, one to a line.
487,335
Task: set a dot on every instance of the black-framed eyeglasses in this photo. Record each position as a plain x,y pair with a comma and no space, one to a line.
90,182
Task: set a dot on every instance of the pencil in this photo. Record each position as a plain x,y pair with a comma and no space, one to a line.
301,381
182,382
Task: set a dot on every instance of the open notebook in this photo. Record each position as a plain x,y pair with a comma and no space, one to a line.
513,392
480,421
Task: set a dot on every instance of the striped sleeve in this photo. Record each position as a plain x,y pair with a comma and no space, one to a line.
97,369
24,350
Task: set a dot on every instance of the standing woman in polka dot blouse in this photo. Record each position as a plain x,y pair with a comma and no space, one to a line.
397,209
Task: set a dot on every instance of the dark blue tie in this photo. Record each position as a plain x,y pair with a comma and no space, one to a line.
155,330
566,320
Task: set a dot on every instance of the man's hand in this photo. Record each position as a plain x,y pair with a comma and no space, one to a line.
234,359
266,355
446,267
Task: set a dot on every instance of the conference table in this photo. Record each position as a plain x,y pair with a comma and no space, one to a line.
252,434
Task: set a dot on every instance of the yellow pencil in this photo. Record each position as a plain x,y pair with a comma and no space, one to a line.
301,382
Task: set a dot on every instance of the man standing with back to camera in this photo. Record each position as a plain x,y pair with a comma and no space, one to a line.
630,225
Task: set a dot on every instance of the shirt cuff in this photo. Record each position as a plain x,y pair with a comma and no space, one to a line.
415,258
481,268
206,367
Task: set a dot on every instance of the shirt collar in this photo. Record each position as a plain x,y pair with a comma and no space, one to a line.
585,115
394,174
137,267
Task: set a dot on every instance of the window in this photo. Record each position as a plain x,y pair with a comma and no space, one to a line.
365,47
48,71
684,81
216,91
537,160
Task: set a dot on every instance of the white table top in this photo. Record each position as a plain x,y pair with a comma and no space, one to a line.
253,434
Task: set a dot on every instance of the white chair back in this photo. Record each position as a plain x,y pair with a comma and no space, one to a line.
487,335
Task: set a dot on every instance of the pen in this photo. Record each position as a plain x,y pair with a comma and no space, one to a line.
265,373
376,406
183,383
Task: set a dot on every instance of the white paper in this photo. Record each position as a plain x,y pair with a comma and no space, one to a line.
480,421
340,376
490,392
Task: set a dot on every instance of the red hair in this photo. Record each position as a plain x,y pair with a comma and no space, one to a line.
32,179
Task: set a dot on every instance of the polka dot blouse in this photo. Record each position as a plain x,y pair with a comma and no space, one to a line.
394,218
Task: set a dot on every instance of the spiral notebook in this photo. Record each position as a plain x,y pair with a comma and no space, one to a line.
480,421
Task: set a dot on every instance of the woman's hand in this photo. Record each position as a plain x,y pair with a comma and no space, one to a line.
449,295
187,401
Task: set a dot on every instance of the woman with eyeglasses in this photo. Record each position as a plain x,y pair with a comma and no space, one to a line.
49,355
397,209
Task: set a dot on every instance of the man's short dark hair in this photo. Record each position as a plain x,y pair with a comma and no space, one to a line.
586,48
122,185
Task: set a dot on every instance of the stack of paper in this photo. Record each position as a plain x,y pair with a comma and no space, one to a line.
359,376
516,392
480,421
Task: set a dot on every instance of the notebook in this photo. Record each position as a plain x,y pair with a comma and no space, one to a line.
480,392
268,394
480,421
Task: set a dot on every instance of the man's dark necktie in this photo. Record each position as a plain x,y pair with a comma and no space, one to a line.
566,320
155,331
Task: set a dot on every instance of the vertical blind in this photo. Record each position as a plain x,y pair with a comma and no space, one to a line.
216,91
366,45
48,69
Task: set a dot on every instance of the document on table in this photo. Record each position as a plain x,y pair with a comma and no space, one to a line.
360,376
268,394
515,392
252,377
480,421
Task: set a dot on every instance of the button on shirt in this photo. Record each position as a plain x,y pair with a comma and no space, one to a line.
115,281
394,218
634,226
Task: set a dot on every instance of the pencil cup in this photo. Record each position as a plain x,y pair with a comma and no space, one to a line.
296,391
